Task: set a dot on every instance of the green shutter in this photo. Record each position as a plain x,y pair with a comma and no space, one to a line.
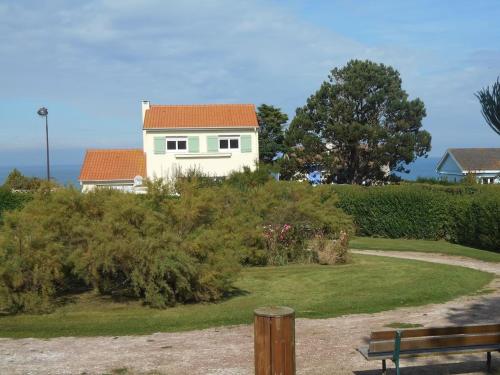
212,143
159,145
246,143
194,144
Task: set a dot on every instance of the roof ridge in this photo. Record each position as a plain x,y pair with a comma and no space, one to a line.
474,148
203,105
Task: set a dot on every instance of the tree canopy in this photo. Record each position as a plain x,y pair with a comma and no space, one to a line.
357,127
490,105
271,136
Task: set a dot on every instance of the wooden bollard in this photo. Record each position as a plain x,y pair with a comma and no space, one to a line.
274,335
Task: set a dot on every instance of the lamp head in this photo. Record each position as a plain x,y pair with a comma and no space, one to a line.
43,112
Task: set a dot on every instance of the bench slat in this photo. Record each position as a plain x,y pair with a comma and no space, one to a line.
437,331
435,342
429,352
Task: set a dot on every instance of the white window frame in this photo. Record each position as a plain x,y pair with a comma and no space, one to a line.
176,139
229,138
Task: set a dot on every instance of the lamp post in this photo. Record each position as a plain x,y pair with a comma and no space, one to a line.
43,112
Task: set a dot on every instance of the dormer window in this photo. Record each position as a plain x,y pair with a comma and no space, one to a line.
229,143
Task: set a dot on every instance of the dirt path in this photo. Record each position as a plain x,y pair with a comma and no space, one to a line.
324,346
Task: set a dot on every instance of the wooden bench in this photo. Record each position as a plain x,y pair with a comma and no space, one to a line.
408,343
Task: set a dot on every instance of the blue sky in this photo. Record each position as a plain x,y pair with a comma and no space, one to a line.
91,62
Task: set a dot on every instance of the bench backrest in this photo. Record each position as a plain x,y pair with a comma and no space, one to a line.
436,338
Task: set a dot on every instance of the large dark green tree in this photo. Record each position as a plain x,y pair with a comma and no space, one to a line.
357,127
271,135
490,105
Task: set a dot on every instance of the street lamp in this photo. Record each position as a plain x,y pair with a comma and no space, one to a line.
43,112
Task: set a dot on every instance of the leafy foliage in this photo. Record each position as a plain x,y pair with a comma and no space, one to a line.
490,105
358,124
465,214
17,181
181,242
11,201
271,135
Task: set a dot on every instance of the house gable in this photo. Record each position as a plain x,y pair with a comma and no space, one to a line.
448,165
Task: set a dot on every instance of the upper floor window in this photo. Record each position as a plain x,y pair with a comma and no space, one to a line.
176,144
229,143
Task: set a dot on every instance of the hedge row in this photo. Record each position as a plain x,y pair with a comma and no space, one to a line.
469,215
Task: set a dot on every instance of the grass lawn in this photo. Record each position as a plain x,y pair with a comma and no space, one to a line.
443,247
368,284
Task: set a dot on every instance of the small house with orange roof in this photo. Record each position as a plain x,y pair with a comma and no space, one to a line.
214,139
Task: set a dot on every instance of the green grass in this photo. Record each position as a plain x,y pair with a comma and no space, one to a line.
443,247
367,285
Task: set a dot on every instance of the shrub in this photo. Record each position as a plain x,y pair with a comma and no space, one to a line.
11,201
162,248
331,251
115,243
466,214
17,181
476,221
288,215
402,211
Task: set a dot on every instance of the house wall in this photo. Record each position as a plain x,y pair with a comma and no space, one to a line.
119,185
217,164
450,170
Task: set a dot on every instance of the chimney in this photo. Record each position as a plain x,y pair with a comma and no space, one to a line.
145,106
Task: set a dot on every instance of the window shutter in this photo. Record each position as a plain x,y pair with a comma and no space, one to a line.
193,144
212,143
246,143
159,145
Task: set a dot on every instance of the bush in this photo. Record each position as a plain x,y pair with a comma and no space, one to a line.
465,214
11,201
178,243
331,251
476,221
115,243
396,211
287,216
17,181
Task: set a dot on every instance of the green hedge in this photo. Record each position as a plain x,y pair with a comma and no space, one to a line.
469,215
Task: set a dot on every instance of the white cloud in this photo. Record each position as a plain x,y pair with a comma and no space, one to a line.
101,57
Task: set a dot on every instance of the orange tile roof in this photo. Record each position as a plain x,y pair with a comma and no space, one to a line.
107,165
200,116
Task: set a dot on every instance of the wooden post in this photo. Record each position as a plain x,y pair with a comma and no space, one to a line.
274,334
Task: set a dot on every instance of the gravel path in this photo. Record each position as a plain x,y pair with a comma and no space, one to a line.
324,346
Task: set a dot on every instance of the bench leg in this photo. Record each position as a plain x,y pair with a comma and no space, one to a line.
488,360
384,367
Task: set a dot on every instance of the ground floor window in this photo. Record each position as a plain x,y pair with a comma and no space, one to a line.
229,143
176,144
488,180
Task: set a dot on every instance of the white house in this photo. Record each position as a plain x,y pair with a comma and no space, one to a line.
215,139
483,163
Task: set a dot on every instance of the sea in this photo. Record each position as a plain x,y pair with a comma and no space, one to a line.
67,174
63,174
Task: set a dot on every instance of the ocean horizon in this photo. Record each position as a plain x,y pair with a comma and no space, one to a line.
67,174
